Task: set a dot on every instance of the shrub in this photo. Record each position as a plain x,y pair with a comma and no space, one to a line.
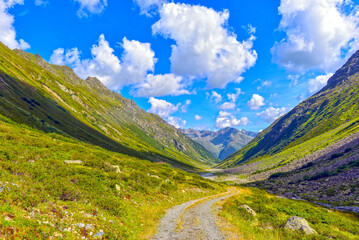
277,175
308,165
336,155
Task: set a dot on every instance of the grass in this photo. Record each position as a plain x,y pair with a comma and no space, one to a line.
44,197
272,214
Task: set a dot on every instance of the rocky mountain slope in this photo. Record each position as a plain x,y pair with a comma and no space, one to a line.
53,99
311,152
223,142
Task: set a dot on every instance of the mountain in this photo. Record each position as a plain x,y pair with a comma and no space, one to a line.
311,151
54,99
223,142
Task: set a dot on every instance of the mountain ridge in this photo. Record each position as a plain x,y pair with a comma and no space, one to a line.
223,142
54,99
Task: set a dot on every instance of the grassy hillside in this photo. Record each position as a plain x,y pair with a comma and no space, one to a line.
54,186
333,107
272,214
53,99
223,142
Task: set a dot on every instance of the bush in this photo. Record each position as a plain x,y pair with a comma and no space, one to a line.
277,175
308,165
336,155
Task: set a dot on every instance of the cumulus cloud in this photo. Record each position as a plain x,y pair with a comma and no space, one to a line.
161,85
227,106
134,69
177,122
215,97
90,7
319,34
234,96
137,60
148,7
165,109
162,107
316,84
205,47
226,119
197,117
271,114
7,30
256,102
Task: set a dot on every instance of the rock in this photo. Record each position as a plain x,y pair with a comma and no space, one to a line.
282,197
99,234
73,161
80,225
298,223
117,168
249,210
88,227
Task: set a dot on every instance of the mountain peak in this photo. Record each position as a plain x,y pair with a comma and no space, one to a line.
350,68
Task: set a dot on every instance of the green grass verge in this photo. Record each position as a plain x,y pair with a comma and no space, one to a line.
273,213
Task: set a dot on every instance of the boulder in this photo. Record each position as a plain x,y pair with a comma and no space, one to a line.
249,210
298,223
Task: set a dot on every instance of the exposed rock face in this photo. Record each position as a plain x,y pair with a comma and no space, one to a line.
298,223
249,210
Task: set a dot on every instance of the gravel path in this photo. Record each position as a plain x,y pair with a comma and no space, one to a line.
192,220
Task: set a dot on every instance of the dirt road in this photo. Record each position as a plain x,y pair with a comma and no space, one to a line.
193,220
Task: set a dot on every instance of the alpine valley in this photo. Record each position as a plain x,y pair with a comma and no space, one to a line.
194,120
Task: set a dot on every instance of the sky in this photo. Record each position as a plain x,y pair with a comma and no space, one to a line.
198,64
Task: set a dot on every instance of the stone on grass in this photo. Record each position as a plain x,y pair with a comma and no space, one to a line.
298,223
73,161
249,210
99,234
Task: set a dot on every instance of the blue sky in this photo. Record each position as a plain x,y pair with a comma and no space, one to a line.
198,64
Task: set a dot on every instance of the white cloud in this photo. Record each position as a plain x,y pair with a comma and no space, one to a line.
204,47
197,117
165,109
234,96
271,114
227,106
90,7
256,102
319,33
161,85
149,6
215,97
293,80
162,107
133,69
177,122
184,107
7,30
41,2
226,119
316,84
137,60
264,84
